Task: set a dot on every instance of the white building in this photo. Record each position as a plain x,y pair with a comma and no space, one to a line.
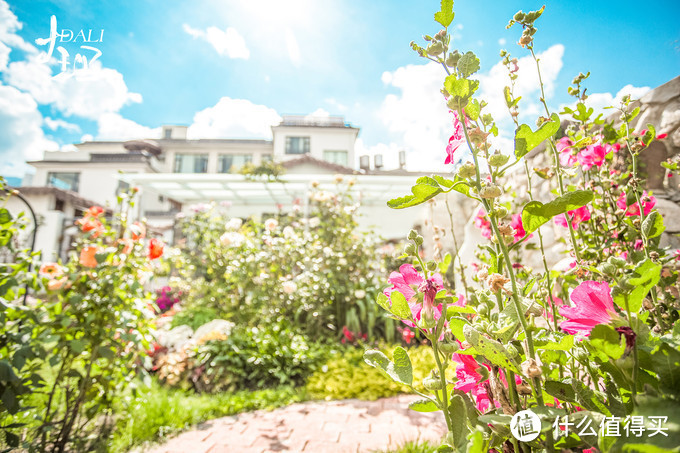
174,172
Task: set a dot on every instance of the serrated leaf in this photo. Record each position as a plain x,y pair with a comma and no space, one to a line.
588,398
492,350
424,189
468,64
423,405
560,390
400,306
645,276
535,213
402,366
445,14
653,225
526,139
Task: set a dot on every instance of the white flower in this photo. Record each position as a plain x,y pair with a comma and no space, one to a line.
234,224
289,287
231,239
359,293
314,222
271,224
338,179
288,232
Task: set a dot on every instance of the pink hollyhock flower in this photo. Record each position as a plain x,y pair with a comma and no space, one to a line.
547,312
634,209
593,155
408,281
593,305
564,147
457,139
577,216
483,224
638,244
470,380
516,224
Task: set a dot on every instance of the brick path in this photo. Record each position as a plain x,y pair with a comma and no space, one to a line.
319,426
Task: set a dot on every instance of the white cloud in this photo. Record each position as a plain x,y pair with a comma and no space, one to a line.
502,42
9,25
53,124
21,135
91,94
228,43
318,113
334,102
292,47
234,118
112,126
4,56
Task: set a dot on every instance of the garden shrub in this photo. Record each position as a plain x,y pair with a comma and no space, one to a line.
346,375
318,273
194,316
90,326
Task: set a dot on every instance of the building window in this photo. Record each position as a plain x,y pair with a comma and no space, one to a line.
191,163
66,181
335,157
297,145
167,133
230,163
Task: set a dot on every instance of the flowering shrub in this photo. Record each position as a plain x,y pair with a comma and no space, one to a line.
316,273
83,338
597,341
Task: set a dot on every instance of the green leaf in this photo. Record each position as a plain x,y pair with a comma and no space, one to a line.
607,341
7,373
10,401
560,390
459,430
653,225
473,108
666,362
589,398
461,90
424,189
402,366
444,265
468,64
400,307
423,405
383,301
645,276
555,341
535,213
445,14
492,350
5,216
77,346
526,139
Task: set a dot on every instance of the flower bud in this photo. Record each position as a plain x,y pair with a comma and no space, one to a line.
512,351
524,389
410,249
431,266
467,170
490,191
412,235
432,383
434,49
535,309
607,269
452,59
498,159
418,240
427,320
449,348
616,261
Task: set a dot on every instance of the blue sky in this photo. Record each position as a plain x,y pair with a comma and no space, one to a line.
230,69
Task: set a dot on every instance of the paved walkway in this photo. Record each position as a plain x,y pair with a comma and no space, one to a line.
318,426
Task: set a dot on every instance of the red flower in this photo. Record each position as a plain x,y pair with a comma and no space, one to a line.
408,281
88,224
483,224
155,248
87,256
516,224
593,305
593,155
407,334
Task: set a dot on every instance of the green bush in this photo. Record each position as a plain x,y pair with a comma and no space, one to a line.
194,316
346,375
157,411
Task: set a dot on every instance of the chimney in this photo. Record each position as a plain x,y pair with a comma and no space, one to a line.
402,159
365,163
377,161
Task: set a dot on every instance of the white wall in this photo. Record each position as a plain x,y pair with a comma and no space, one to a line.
50,223
320,139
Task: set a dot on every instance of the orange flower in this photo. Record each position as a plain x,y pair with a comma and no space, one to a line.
127,245
87,258
138,231
155,248
94,211
51,270
54,285
88,224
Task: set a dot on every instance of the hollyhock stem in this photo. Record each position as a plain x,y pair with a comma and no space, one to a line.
455,244
442,376
556,156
